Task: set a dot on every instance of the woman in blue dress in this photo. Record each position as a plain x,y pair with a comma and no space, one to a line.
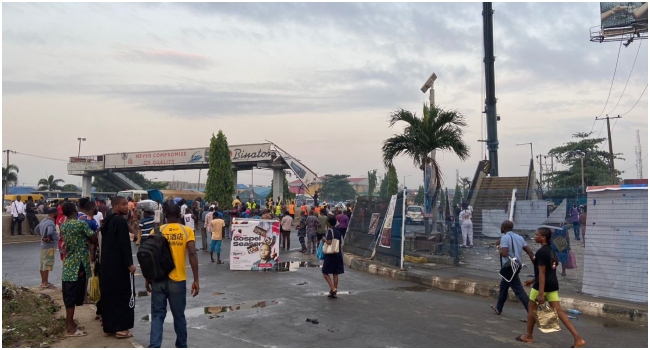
560,243
332,263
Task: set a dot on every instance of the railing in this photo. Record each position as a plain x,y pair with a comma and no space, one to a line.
87,159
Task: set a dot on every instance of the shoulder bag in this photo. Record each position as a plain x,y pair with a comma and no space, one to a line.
331,248
21,216
511,268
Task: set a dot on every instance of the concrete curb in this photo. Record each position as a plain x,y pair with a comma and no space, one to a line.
463,285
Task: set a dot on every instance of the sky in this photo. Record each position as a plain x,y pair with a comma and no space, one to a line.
318,79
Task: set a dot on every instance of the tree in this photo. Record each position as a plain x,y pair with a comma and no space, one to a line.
419,198
438,130
9,177
372,182
159,185
457,195
596,164
220,186
287,195
49,184
70,188
393,181
383,188
337,187
443,199
467,184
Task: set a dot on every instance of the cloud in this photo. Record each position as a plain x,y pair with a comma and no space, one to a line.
149,55
23,37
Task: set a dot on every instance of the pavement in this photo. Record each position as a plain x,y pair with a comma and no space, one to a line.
478,274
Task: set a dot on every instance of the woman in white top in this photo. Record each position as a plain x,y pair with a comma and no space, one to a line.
466,226
189,218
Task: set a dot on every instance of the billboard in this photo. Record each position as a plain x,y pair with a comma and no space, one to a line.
623,14
255,245
388,223
304,174
238,153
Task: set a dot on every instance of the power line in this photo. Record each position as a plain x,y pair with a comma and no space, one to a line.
644,158
33,155
628,78
614,76
637,101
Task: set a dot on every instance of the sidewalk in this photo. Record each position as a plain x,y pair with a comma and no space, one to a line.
478,274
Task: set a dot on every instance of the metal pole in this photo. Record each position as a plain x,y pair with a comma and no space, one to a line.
540,170
403,219
198,184
79,152
490,95
582,170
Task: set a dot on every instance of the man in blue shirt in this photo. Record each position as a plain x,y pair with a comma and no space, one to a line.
511,245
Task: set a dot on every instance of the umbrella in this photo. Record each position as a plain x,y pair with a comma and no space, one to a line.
177,199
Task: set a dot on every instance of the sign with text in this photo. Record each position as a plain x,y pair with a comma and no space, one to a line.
388,223
255,245
238,153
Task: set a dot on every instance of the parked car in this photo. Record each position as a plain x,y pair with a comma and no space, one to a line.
414,214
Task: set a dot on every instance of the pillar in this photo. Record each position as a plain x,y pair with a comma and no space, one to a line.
278,184
86,185
234,178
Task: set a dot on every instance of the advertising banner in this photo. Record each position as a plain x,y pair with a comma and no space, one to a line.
255,245
388,223
374,220
624,14
304,174
238,153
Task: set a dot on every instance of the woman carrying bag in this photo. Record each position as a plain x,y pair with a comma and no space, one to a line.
333,258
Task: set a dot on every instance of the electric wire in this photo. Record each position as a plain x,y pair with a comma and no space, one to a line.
637,101
628,78
614,76
634,166
33,155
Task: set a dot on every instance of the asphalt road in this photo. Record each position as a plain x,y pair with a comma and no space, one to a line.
371,311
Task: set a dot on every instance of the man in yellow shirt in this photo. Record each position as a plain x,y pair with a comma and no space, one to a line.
236,202
218,228
173,289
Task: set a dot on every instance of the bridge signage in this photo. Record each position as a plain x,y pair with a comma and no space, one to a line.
238,154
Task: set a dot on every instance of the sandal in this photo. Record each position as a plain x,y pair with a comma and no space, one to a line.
334,294
212,260
495,310
219,262
77,333
522,340
121,335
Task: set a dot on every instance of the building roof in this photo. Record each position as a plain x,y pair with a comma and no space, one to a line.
21,190
617,187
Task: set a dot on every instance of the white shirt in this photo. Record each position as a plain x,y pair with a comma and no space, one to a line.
471,210
465,216
183,208
157,214
99,217
189,222
17,208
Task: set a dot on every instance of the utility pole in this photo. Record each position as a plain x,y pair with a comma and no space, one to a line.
612,171
490,96
540,169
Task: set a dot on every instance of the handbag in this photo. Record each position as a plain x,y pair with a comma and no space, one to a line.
572,263
547,319
319,251
331,248
21,216
511,268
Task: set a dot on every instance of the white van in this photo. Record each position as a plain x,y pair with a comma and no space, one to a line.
136,195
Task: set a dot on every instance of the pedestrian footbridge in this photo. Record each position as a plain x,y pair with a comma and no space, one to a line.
244,157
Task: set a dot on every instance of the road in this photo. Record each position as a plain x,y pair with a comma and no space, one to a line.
371,311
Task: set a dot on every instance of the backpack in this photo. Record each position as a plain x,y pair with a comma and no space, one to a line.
155,256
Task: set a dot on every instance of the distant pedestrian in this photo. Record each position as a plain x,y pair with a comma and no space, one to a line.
332,263
545,288
157,217
17,215
173,289
217,229
285,228
561,245
440,212
575,220
312,226
292,209
30,213
322,229
583,223
511,245
467,227
190,219
342,224
207,227
147,224
266,215
203,228
76,265
46,229
302,233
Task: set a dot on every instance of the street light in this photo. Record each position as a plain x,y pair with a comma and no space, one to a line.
582,168
404,183
531,147
428,85
80,139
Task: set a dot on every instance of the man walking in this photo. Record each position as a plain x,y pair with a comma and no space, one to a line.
575,220
49,237
312,227
173,289
511,245
17,215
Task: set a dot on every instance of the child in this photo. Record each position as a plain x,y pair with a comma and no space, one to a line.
218,228
146,224
190,219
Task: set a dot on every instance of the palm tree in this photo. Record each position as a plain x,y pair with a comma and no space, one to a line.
49,184
437,130
9,176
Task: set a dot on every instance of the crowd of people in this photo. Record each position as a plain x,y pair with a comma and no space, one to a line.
95,238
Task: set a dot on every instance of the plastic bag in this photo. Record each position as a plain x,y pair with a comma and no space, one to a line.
572,263
319,251
547,319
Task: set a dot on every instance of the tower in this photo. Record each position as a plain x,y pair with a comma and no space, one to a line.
639,156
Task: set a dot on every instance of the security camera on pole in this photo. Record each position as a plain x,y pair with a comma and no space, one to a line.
429,185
